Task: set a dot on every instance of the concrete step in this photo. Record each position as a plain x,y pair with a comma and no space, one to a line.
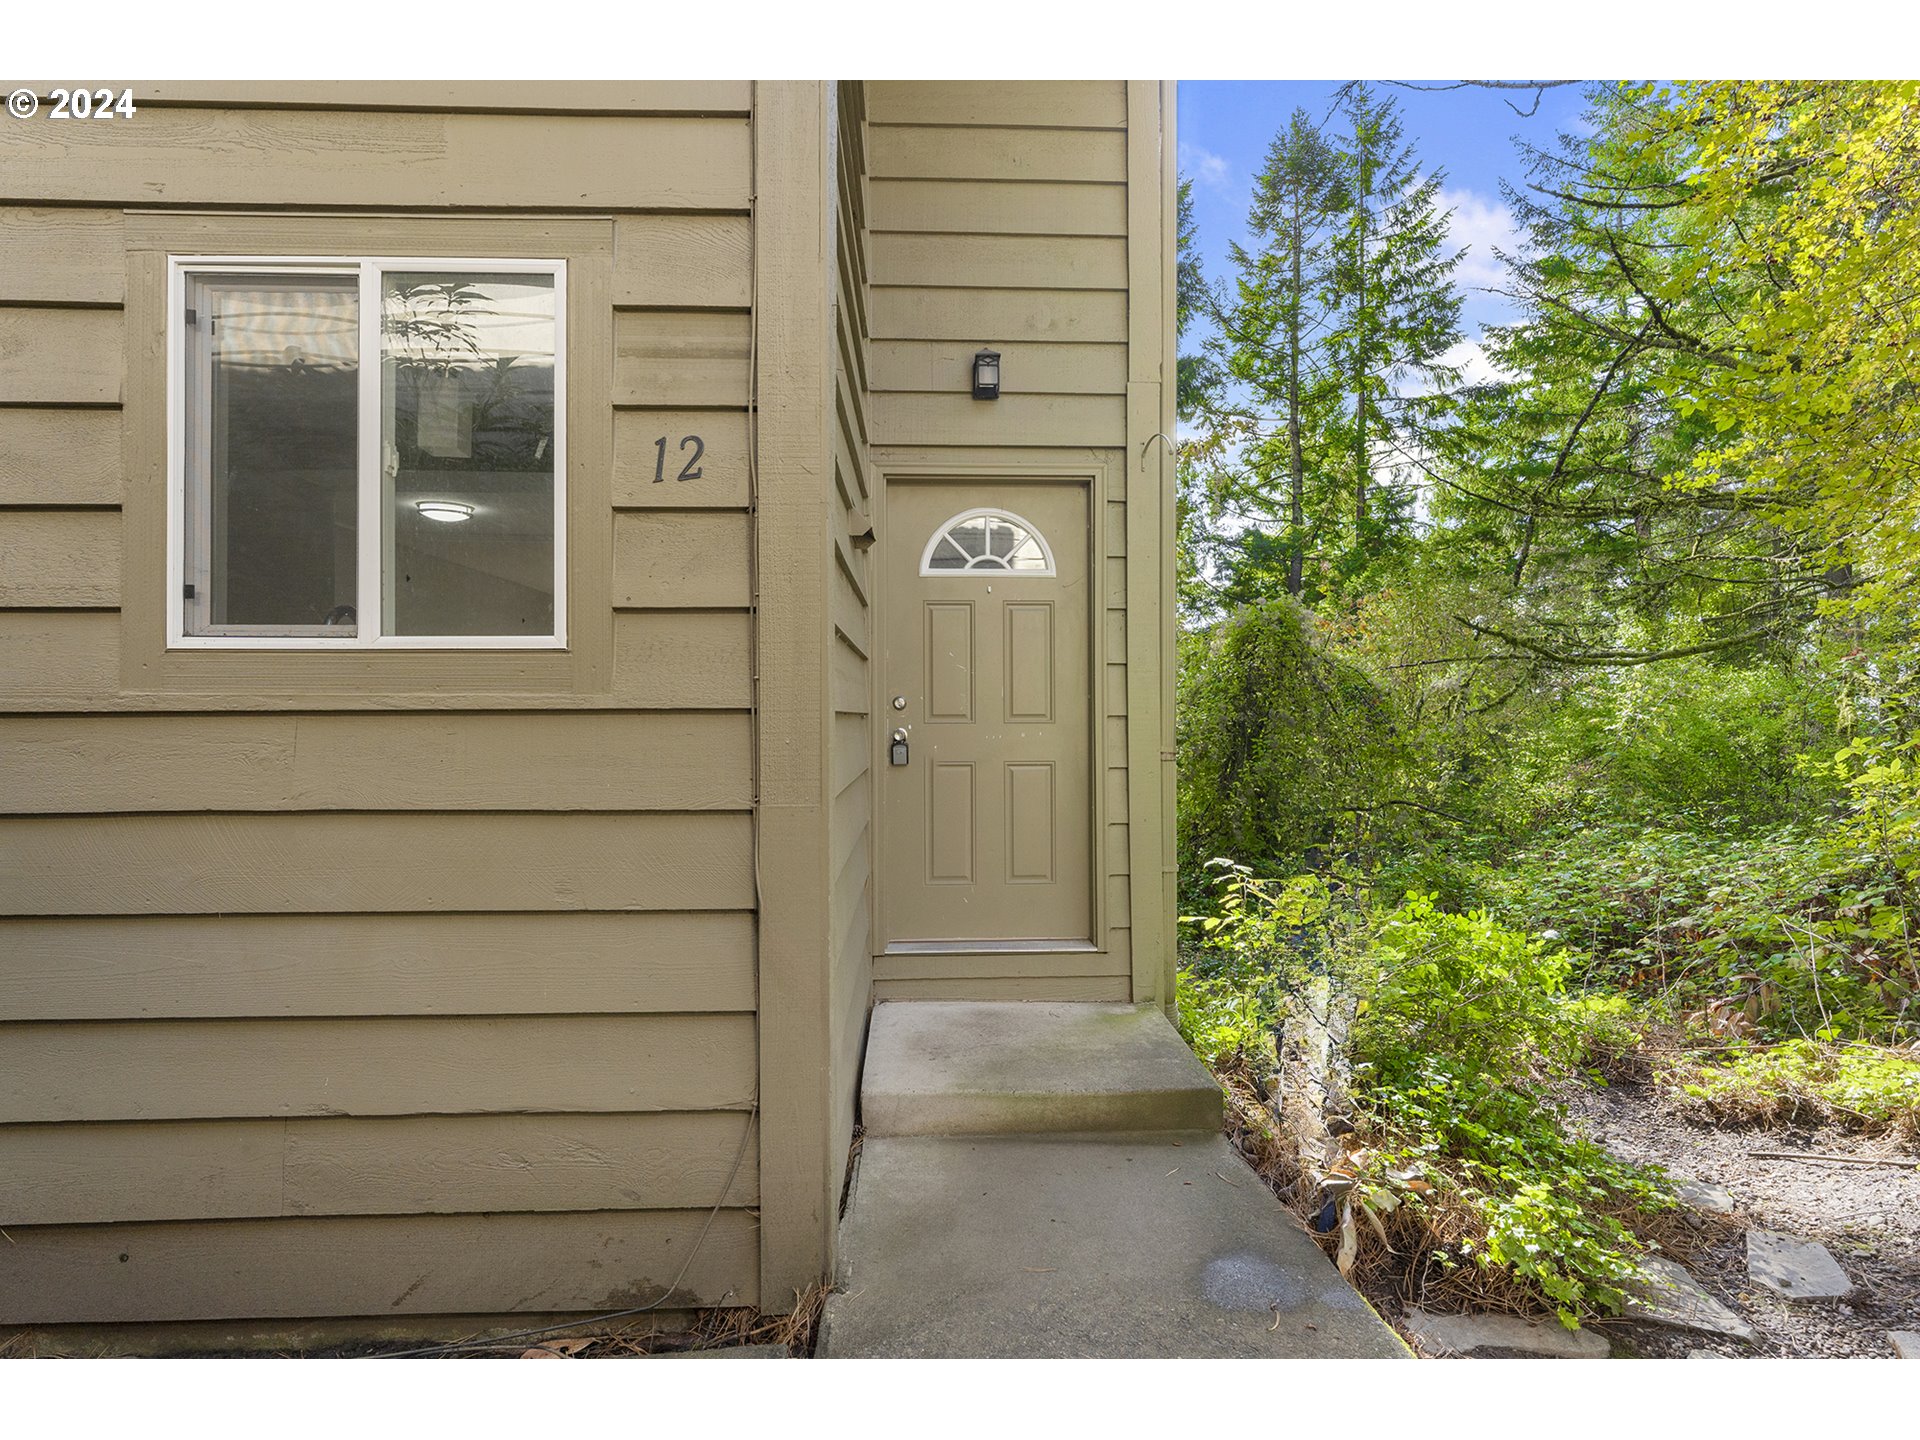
1143,1246
964,1067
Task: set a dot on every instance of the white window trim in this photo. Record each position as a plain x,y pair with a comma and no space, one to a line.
926,554
370,609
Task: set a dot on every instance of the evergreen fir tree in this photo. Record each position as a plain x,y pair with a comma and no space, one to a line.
1272,336
1195,371
1399,312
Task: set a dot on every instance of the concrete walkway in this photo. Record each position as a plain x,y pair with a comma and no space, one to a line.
1050,1180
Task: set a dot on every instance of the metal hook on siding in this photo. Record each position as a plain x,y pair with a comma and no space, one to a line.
1172,449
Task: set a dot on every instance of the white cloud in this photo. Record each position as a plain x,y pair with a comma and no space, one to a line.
1475,365
1469,357
1479,226
1205,167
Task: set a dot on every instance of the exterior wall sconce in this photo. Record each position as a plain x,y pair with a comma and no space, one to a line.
986,375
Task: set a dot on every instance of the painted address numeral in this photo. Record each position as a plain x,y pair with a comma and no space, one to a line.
689,471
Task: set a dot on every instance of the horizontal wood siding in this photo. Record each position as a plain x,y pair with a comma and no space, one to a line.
525,97
83,447
926,153
52,356
379,984
677,261
386,861
1056,104
463,963
928,367
694,559
1003,262
60,559
592,1261
680,358
403,1165
1001,207
850,584
62,257
999,317
224,1069
1092,421
392,160
662,659
999,213
595,761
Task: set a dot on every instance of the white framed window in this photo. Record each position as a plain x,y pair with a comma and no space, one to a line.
985,541
366,453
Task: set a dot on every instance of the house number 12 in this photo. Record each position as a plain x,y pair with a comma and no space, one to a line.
688,471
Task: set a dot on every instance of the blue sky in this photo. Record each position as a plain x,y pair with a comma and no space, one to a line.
1225,127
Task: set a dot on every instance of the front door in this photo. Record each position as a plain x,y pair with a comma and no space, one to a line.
985,812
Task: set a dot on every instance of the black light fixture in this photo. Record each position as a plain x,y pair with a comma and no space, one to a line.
986,375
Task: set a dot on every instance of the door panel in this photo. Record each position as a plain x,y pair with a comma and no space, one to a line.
1030,677
986,831
949,663
951,840
1031,824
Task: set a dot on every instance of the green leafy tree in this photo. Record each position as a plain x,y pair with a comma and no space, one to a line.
1705,442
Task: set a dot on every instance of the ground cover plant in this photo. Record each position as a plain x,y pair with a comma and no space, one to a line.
1863,1087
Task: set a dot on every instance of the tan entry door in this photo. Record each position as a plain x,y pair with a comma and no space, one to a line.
985,828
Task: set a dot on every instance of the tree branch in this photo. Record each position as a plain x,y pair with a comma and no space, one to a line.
1686,342
1560,464
1612,657
1539,88
1399,805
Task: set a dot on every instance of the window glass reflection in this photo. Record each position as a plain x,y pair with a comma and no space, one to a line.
467,452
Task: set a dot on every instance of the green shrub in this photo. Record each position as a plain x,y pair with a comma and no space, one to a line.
1279,741
1462,986
1460,1027
1226,1020
1646,749
1239,961
1808,929
1550,1207
1603,1029
1862,1087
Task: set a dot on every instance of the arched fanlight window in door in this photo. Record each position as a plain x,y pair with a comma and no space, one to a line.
986,540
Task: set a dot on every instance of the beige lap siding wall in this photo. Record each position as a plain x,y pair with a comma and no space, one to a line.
1007,215
850,597
378,986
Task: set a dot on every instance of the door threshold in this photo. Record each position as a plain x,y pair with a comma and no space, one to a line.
990,947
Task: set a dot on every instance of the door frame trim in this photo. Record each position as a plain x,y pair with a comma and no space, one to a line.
1093,475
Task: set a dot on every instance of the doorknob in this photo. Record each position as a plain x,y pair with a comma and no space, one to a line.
898,755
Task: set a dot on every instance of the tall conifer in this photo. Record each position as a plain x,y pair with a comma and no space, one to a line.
1273,333
1399,312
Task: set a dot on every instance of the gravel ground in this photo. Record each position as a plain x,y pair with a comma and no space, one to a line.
1868,1218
